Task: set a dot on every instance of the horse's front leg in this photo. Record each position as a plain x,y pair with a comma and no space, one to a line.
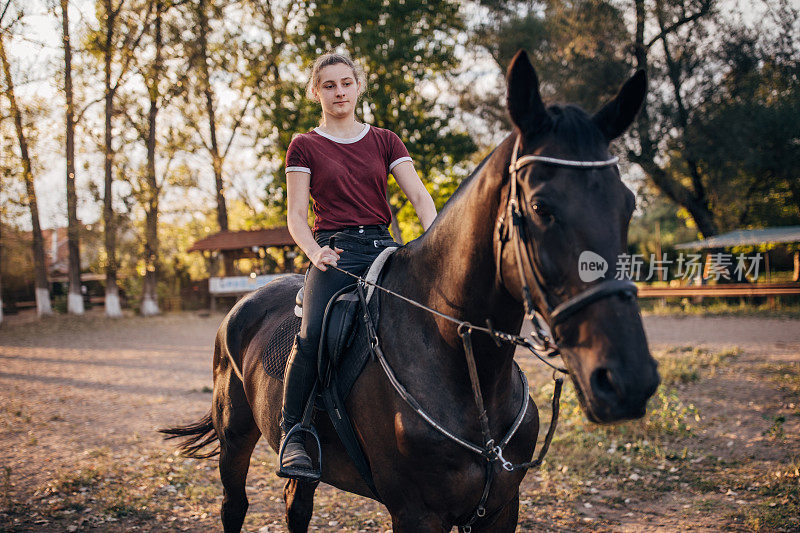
417,521
299,498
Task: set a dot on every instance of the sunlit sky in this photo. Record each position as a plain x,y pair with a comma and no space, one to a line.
35,54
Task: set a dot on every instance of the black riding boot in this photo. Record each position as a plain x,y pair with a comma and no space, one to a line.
299,379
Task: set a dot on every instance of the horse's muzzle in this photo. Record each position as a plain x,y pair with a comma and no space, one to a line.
616,394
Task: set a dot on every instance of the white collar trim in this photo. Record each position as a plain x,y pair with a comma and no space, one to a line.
341,140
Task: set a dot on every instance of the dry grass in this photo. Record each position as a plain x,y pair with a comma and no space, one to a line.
717,450
656,471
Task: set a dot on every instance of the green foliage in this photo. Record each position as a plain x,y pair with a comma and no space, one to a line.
16,265
783,307
284,112
751,114
775,429
405,47
668,417
178,235
658,212
59,303
129,20
720,121
71,481
778,508
686,364
579,48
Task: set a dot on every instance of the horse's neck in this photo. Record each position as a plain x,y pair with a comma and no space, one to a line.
452,267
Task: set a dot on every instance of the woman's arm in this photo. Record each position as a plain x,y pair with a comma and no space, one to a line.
297,189
415,191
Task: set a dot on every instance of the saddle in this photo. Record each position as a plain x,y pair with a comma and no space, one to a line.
343,352
339,323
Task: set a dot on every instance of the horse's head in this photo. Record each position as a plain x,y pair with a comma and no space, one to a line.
565,211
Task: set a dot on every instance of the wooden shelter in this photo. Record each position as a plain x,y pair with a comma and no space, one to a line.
753,237
247,244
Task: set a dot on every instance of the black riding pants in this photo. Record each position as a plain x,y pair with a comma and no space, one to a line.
361,245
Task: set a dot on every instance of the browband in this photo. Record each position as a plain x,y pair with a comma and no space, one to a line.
527,159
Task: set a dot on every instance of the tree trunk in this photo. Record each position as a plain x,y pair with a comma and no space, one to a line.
149,305
43,306
694,201
288,258
216,157
112,303
75,297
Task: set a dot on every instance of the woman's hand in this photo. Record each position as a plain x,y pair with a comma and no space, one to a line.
325,256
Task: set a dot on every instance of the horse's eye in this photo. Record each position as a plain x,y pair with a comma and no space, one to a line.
542,211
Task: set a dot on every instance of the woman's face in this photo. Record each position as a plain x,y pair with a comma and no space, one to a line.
337,90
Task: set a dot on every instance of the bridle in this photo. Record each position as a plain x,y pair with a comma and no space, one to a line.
516,213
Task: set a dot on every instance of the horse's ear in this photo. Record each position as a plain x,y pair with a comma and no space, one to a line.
615,117
524,101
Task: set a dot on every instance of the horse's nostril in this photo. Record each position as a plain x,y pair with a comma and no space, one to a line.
627,296
603,384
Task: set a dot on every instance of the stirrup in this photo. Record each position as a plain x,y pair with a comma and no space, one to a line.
302,474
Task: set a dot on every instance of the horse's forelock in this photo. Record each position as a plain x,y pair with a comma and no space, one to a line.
574,131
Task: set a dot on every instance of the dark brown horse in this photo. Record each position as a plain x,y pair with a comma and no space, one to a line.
462,267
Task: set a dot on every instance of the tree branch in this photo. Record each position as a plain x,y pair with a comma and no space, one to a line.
236,125
130,46
86,107
8,3
196,128
139,129
674,74
705,10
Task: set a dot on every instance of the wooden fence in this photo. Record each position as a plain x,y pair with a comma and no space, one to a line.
721,291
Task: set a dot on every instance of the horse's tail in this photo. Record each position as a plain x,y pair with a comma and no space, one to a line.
200,434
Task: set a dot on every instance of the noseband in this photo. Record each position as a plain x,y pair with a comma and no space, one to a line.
516,213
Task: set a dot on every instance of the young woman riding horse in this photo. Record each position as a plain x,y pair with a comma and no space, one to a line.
506,243
344,165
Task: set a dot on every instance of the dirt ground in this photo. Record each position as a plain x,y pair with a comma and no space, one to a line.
80,399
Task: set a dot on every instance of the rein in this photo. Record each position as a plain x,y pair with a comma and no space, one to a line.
543,346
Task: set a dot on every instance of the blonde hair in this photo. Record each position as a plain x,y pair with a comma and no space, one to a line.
333,58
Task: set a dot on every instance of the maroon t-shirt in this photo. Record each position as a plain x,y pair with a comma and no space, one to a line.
348,176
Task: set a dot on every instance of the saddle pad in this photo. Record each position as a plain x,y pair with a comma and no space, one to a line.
276,355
